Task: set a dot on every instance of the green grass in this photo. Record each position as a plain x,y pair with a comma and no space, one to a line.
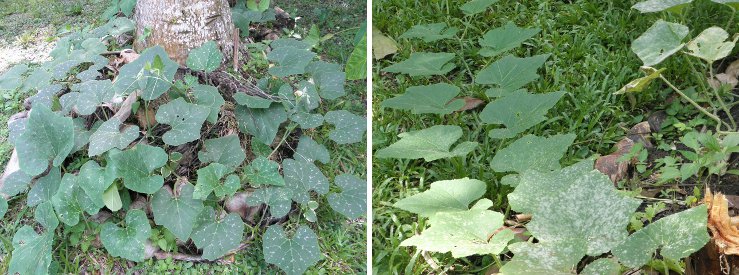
589,43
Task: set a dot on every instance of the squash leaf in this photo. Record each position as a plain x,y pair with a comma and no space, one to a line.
128,242
31,252
225,150
48,138
112,134
302,177
185,120
279,200
263,172
261,123
211,179
518,111
510,73
217,237
430,144
177,213
206,58
532,152
444,196
660,41
504,38
136,166
430,32
309,150
432,99
292,255
206,95
424,64
352,201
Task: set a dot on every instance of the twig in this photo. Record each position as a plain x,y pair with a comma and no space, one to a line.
161,255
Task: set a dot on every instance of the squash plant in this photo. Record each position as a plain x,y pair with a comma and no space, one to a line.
81,154
578,217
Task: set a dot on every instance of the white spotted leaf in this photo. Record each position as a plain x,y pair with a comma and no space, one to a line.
309,150
45,187
711,45
206,58
225,150
31,252
216,178
660,41
532,152
206,95
136,167
177,213
349,128
279,200
47,139
185,120
112,134
292,255
128,242
352,201
261,123
263,172
302,177
217,237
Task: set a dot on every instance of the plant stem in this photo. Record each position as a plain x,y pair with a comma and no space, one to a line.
288,130
731,19
146,114
726,109
696,105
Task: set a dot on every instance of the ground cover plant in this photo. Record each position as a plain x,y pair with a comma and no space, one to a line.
503,143
122,157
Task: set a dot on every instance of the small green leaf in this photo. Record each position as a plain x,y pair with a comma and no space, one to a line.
518,111
262,172
31,252
206,58
48,138
603,266
261,123
432,99
532,152
112,134
309,150
217,237
225,150
430,144
177,213
430,32
476,6
660,41
648,6
510,73
292,255
505,38
258,5
639,84
444,196
424,64
208,96
45,216
112,199
45,187
279,200
711,45
211,179
302,177
349,128
136,167
352,201
185,120
128,242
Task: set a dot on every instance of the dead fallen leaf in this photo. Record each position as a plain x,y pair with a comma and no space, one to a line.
611,167
470,103
723,79
724,231
382,45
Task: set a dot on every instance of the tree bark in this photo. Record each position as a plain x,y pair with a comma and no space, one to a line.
181,25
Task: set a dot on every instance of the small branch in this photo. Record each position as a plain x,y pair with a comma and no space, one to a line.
696,105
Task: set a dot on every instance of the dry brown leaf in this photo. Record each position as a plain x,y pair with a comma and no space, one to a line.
470,103
611,167
128,56
724,232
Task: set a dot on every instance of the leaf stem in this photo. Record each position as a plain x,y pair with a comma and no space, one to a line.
696,105
289,129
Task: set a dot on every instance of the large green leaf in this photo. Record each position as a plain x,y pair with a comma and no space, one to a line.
731,3
432,99
352,201
543,258
185,120
661,5
518,111
13,78
261,123
213,178
81,134
262,172
290,60
510,73
349,128
252,101
430,144
476,6
279,200
424,64
660,41
430,32
94,180
31,252
602,266
46,95
711,45
329,79
91,94
15,183
505,38
112,134
45,187
217,236
676,236
302,177
309,150
356,65
206,58
532,152
136,167
48,138
132,76
206,95
128,242
70,201
292,255
225,150
444,196
177,213
463,233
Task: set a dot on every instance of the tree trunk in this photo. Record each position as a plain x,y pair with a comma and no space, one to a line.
181,25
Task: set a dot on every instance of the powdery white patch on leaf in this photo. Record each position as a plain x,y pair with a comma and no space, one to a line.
290,60
213,178
329,79
216,237
543,258
31,251
660,41
13,78
349,128
444,196
136,167
261,123
292,255
44,215
112,134
90,94
302,177
206,95
532,152
262,172
476,6
518,111
185,120
128,242
178,214
206,58
432,99
430,144
510,73
309,150
279,200
45,187
661,5
505,38
430,32
133,76
424,64
352,201
603,266
711,45
225,150
48,138
463,233
676,236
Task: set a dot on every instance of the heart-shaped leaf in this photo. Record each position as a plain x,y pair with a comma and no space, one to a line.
177,213
437,98
302,177
31,252
476,6
430,32
217,237
94,180
252,101
290,60
112,134
292,255
444,196
279,200
660,41
185,120
505,38
128,242
329,79
70,201
13,78
206,95
518,111
206,58
352,201
430,144
48,138
349,128
134,76
510,73
136,167
532,152
424,64
543,258
91,94
225,150
602,266
711,45
262,171
262,123
309,150
15,183
211,179
45,187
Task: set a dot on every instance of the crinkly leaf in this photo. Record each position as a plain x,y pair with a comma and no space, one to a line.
112,134
225,150
46,216
185,120
430,32
206,58
252,101
13,78
639,84
444,196
430,144
432,99
262,171
290,60
216,237
576,205
128,242
711,45
661,5
309,150
352,201
279,200
463,233
206,95
532,152
676,236
349,128
302,177
518,111
602,266
424,64
94,180
31,252
510,73
505,38
136,167
261,123
212,178
292,255
329,79
476,6
177,213
48,138
660,41
134,76
91,94
45,187
543,258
